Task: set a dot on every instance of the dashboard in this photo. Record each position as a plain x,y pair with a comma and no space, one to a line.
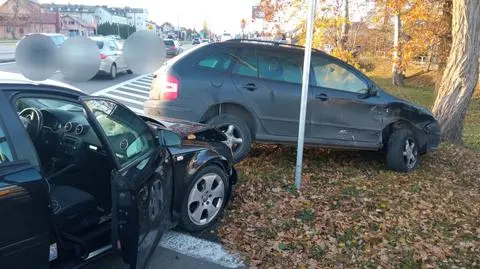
68,123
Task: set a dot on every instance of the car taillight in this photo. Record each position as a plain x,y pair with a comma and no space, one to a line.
103,56
166,88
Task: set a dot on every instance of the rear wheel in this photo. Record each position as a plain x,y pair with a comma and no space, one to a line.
113,71
239,137
402,151
129,71
205,199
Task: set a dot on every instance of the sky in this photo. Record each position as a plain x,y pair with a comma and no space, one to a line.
220,15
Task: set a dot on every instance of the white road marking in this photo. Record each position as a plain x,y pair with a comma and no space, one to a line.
136,87
141,83
113,87
143,92
200,248
122,99
130,94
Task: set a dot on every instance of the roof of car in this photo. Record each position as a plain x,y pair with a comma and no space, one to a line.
16,78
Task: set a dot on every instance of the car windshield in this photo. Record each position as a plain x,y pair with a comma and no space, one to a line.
169,43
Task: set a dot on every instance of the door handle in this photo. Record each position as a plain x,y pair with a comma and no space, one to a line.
322,97
250,86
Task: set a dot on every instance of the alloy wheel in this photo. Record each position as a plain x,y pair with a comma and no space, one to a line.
206,199
234,138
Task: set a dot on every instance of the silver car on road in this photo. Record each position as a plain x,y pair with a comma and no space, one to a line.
112,60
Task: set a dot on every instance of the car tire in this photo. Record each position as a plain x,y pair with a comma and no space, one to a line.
113,71
402,151
240,131
199,197
129,71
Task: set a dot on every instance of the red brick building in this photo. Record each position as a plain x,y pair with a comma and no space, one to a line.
20,17
71,25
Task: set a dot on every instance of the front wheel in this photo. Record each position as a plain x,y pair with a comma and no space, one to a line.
402,151
205,199
239,137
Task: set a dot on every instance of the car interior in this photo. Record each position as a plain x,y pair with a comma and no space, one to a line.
76,167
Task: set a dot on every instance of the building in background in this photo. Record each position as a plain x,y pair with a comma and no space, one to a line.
135,16
72,26
108,15
81,12
21,17
95,15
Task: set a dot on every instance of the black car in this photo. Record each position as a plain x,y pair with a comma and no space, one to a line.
252,89
83,176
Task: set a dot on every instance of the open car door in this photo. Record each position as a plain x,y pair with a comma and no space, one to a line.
139,182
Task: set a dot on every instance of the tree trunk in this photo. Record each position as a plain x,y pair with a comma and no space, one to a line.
345,27
446,38
461,73
397,71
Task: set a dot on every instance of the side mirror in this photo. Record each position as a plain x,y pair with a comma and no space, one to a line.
373,91
169,138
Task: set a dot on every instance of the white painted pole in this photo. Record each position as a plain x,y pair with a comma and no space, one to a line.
303,103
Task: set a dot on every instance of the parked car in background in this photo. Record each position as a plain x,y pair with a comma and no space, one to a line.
112,60
83,176
205,40
57,39
116,37
195,41
172,47
226,36
252,89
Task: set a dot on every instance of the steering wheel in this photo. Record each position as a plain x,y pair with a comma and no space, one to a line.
32,119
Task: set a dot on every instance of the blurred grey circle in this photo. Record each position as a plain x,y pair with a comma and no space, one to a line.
79,58
144,52
36,57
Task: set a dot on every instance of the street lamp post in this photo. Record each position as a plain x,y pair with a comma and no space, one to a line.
303,104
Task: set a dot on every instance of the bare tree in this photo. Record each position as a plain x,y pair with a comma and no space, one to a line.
461,73
15,19
397,70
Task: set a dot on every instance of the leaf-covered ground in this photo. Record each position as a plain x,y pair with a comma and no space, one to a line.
353,212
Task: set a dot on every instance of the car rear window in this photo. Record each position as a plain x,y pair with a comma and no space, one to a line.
168,42
100,44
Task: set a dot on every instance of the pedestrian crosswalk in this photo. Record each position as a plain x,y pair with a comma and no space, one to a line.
132,93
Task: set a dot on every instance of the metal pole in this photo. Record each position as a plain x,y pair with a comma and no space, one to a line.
303,104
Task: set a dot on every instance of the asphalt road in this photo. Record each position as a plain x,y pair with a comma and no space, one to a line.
96,84
177,250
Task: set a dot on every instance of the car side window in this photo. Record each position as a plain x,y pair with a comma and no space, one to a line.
128,136
334,76
5,152
275,67
246,65
220,61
